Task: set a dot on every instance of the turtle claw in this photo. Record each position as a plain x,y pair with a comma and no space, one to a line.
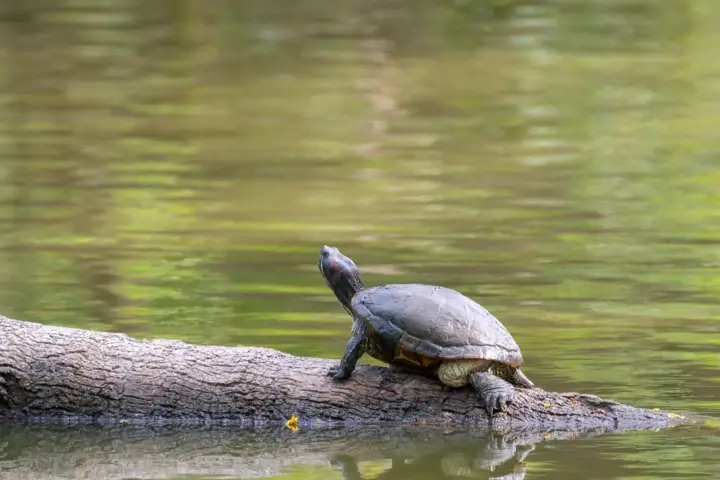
497,401
336,374
495,393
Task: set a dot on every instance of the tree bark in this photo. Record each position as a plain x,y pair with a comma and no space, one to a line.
50,372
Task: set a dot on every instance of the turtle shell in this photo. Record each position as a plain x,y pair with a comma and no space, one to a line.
422,325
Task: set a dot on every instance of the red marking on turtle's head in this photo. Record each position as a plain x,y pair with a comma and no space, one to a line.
340,273
332,263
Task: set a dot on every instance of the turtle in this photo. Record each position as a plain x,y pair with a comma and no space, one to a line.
425,329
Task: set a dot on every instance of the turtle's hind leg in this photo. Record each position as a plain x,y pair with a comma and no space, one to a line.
494,392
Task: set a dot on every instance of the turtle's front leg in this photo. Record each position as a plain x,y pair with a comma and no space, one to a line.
353,351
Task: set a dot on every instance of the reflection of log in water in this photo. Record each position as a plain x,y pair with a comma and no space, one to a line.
54,452
48,371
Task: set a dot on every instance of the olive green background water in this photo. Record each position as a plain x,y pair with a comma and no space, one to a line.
171,169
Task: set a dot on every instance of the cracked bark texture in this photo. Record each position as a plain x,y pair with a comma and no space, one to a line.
50,372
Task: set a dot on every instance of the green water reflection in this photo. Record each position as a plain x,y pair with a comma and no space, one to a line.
132,452
170,169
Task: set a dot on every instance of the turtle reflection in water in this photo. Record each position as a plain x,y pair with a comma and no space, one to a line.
497,456
425,329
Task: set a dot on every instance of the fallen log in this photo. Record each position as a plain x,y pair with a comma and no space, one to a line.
69,374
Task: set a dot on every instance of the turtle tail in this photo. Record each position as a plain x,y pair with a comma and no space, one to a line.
521,379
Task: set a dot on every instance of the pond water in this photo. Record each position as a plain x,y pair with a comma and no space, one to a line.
171,169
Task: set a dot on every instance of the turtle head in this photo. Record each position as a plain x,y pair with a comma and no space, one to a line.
341,275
